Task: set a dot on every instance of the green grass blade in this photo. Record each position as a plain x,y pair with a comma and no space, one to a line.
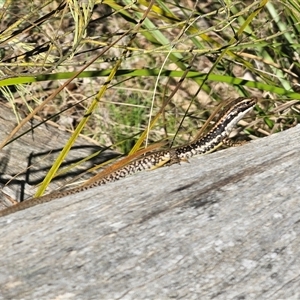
77,131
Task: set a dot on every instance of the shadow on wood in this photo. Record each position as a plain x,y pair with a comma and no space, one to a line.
25,162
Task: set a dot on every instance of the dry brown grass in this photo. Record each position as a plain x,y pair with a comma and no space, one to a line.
252,40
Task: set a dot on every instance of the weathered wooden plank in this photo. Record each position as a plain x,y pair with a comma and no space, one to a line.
25,162
225,226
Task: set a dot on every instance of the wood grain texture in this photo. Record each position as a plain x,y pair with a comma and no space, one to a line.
25,162
224,226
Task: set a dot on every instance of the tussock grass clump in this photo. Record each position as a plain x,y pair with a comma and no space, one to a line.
107,68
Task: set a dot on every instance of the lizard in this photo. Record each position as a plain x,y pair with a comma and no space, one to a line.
207,143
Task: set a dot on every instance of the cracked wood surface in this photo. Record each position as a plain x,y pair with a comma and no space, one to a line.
224,226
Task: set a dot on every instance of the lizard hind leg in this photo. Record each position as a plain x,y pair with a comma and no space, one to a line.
230,143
